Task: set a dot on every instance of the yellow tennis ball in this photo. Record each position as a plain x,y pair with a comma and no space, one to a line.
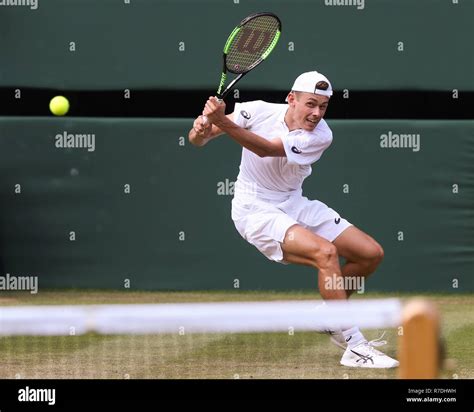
59,105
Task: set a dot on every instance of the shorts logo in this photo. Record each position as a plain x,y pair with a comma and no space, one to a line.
337,220
296,150
245,114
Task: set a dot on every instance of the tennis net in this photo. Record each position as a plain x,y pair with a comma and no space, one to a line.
187,340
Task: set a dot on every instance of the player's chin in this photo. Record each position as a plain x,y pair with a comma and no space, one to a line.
308,125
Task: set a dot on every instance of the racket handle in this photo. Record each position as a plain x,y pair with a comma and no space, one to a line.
205,120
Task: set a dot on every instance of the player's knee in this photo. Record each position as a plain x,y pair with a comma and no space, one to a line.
377,254
324,255
374,259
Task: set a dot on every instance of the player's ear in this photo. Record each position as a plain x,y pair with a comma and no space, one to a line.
291,98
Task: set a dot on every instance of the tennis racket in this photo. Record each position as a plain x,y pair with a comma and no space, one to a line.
249,44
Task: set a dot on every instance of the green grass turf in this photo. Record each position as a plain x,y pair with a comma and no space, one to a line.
246,356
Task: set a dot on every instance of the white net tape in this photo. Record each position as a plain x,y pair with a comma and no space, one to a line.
199,317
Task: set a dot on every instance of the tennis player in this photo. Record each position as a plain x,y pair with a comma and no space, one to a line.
280,143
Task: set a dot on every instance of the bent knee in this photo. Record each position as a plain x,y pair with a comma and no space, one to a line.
324,255
374,257
378,254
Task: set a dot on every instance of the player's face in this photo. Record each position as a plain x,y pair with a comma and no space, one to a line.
307,109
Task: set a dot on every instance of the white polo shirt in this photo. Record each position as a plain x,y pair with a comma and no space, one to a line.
277,177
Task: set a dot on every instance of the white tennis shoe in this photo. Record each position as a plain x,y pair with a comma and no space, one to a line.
365,355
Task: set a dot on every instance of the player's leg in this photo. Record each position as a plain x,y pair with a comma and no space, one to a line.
362,253
327,227
303,247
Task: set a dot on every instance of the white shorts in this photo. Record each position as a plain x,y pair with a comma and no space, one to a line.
264,223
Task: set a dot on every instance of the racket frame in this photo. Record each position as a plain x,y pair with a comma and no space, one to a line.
222,94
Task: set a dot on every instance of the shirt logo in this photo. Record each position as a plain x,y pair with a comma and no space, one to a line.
245,114
294,149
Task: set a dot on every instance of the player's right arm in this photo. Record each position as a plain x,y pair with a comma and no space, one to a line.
202,132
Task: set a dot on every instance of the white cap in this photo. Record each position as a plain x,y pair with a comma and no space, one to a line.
313,82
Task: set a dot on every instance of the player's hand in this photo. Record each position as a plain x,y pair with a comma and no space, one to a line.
214,110
202,128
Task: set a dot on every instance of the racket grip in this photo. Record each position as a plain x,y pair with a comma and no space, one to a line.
205,120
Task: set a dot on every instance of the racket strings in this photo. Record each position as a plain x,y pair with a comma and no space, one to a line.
251,42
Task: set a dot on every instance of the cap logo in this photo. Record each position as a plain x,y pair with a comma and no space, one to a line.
322,85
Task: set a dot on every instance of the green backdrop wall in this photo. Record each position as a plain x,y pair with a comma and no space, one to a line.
173,229
168,44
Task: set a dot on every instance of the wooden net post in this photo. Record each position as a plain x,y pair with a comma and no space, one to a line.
419,350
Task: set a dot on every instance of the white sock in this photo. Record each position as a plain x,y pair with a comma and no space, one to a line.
353,337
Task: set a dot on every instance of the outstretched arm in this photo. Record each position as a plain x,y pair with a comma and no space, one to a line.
215,110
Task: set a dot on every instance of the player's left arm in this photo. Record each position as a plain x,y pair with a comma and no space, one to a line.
262,147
